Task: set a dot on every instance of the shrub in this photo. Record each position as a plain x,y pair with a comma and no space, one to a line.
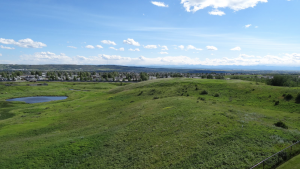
155,98
298,98
288,97
276,103
201,98
281,124
204,92
140,93
216,95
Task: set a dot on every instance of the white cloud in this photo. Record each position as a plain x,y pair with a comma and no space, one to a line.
24,43
150,47
113,48
163,53
131,42
5,47
142,58
164,48
113,57
7,41
247,56
181,47
46,57
90,47
256,26
211,48
0,54
217,12
121,49
99,46
236,48
160,4
192,47
72,47
236,5
133,50
247,26
108,42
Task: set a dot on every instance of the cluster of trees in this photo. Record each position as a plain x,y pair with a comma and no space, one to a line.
110,75
176,75
284,80
11,75
209,76
277,80
87,76
39,73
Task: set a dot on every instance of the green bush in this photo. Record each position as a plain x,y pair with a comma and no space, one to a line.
216,95
288,97
298,98
281,124
140,93
204,92
276,103
201,98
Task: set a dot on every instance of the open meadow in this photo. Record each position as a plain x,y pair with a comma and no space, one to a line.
165,123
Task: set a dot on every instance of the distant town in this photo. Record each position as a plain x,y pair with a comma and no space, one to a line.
34,76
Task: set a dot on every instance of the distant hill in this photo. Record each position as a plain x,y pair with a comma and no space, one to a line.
119,68
102,68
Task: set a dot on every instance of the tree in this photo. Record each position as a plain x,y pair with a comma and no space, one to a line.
210,76
278,80
144,76
104,76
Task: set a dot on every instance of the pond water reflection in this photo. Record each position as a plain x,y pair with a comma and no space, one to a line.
38,99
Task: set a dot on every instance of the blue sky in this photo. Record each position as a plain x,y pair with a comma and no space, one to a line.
142,32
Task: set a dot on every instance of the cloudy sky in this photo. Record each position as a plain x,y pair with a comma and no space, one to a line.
142,32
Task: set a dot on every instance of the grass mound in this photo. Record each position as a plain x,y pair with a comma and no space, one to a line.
150,124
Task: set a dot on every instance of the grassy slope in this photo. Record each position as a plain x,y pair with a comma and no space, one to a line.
120,127
294,163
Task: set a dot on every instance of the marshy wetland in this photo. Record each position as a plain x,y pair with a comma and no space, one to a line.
167,123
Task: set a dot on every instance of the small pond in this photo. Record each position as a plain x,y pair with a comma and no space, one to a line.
38,99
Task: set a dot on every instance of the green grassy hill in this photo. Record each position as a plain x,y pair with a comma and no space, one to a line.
164,123
294,163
